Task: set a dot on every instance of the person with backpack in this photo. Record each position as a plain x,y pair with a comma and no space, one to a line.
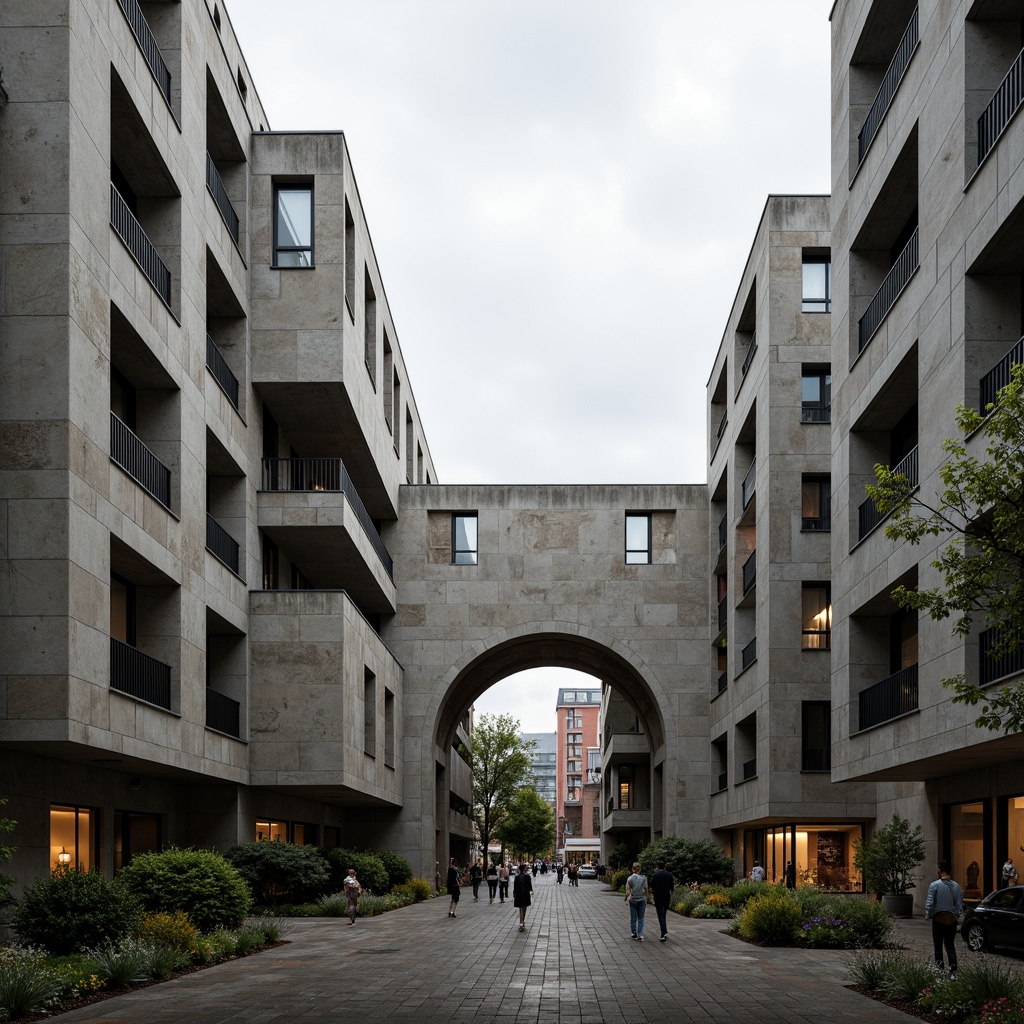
943,907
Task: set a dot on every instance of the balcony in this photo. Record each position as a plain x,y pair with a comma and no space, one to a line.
220,196
221,372
723,781
619,819
128,452
750,769
723,682
887,90
222,713
723,533
626,748
147,44
999,376
868,515
723,612
1002,107
749,572
722,424
885,298
748,655
750,484
816,759
749,357
139,675
221,544
816,414
993,667
888,699
137,242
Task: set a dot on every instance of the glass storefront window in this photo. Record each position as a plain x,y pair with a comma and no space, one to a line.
73,837
967,846
1014,836
823,855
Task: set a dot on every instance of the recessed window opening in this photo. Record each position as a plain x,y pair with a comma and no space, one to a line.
638,538
816,395
293,225
816,602
817,284
464,538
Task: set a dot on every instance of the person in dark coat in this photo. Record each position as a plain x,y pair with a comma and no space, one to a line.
522,887
453,886
476,875
662,884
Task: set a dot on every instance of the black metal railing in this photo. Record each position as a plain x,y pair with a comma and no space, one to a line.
999,376
749,484
890,83
138,461
821,522
324,475
993,667
148,45
221,543
722,423
723,781
868,515
221,371
123,221
816,639
723,682
816,759
1002,107
889,698
222,713
749,769
749,357
723,532
215,184
748,655
723,612
139,675
750,571
816,414
885,298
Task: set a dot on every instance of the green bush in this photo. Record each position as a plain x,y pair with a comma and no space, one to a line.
247,940
772,917
216,946
622,857
689,860
867,924
743,891
370,870
27,983
689,900
398,868
200,882
333,905
122,963
418,888
271,927
709,910
371,905
171,929
281,872
70,909
981,980
617,880
908,978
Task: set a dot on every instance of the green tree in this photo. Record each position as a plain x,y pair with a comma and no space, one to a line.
980,514
528,826
890,857
500,760
7,826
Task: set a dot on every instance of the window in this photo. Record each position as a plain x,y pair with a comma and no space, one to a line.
350,271
816,503
572,719
122,610
817,284
293,226
816,736
464,538
135,833
369,713
816,395
817,616
625,787
638,538
575,737
74,838
271,571
269,831
370,326
389,728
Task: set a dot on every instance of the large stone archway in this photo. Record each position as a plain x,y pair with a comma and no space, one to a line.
550,587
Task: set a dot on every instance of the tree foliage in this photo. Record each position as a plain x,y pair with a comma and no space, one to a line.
689,860
528,826
890,857
980,515
281,872
7,826
500,760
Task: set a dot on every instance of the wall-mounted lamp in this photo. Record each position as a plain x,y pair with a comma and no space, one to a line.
63,858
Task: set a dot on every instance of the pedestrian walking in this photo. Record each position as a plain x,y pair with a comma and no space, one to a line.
535,869
453,886
352,891
503,883
492,880
476,875
662,884
944,905
636,897
790,875
559,872
1009,873
522,887
757,872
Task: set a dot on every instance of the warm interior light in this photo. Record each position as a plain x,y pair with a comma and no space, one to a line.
63,858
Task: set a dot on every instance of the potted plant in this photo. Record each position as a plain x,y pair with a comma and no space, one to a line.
888,861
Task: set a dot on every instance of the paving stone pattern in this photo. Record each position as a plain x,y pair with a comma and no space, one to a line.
575,964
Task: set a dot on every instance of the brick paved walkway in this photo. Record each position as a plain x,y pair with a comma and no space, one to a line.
576,964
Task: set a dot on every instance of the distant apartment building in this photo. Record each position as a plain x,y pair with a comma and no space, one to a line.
578,714
543,764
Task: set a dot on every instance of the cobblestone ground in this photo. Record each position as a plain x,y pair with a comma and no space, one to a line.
575,964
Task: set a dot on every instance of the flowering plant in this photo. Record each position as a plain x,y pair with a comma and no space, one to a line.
1002,1011
828,933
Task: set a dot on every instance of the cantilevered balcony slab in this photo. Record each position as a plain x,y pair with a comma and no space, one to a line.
626,821
627,748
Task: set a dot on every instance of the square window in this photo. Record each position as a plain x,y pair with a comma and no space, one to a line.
816,395
464,538
638,538
293,225
817,616
817,284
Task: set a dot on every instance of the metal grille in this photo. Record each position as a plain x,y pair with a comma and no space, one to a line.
868,516
748,655
138,461
749,484
749,769
147,44
1001,108
816,414
723,612
139,675
220,196
885,298
749,357
889,699
221,371
999,376
123,221
221,543
750,572
723,682
723,781
222,713
723,532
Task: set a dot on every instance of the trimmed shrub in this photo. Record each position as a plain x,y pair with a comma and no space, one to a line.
370,870
281,872
772,917
200,882
689,860
398,868
418,888
70,909
618,879
173,930
717,899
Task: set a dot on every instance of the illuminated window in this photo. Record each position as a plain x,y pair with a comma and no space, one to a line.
74,837
271,830
817,616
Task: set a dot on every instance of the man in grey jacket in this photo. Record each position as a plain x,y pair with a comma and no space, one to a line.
943,907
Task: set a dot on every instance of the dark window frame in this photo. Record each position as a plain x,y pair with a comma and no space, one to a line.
824,762
824,636
294,186
819,410
648,551
818,303
821,523
474,552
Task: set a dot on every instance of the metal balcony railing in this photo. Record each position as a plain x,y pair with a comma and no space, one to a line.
139,675
138,461
868,516
723,612
750,572
722,424
992,667
222,713
887,90
889,698
748,655
885,298
221,543
816,414
324,475
221,371
723,682
723,781
822,522
816,759
723,532
999,376
749,769
750,484
129,230
1001,108
749,357
215,184
147,44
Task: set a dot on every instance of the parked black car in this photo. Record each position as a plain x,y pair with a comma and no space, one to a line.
998,920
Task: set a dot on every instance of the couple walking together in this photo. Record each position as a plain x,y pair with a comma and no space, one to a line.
637,887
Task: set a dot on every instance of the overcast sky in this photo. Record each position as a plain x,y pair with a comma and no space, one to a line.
561,196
